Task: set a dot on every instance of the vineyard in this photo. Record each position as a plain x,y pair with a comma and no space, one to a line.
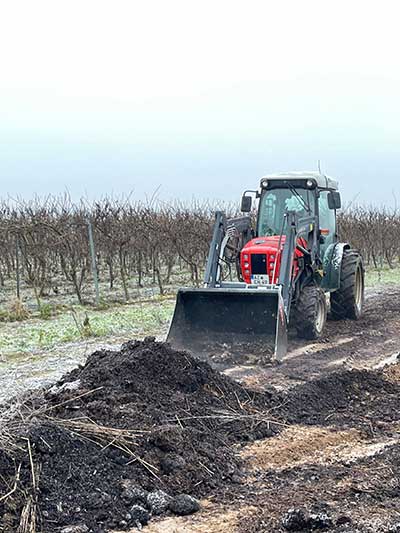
52,246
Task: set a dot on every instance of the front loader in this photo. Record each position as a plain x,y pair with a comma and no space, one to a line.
284,268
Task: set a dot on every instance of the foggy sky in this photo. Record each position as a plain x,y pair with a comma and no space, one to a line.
197,100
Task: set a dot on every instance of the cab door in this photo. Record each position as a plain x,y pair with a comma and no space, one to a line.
327,223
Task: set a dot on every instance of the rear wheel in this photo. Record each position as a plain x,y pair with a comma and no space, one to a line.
348,300
310,312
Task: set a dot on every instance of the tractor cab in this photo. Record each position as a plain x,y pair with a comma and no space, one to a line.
307,195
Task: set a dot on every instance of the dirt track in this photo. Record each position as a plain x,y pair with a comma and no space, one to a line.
366,343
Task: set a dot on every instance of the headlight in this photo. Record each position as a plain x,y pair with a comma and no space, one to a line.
246,265
310,184
264,183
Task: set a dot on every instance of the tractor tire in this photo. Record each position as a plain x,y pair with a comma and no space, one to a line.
311,311
348,300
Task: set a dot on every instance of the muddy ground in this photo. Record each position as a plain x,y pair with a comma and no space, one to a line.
308,445
366,343
335,466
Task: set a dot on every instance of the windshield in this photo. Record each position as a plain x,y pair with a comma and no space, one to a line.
276,202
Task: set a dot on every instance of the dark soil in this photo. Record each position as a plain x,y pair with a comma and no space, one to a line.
190,420
155,385
361,399
191,416
357,496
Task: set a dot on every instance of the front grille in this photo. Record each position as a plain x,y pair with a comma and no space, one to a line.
258,263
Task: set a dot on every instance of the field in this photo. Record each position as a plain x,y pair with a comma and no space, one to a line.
310,444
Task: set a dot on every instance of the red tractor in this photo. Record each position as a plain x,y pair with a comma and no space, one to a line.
285,266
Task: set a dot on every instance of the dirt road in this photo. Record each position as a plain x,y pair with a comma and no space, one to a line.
367,343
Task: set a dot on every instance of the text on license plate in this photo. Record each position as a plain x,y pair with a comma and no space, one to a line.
260,279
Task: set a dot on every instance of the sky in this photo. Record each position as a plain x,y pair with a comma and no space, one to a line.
198,100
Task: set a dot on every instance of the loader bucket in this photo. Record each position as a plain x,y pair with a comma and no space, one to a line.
209,322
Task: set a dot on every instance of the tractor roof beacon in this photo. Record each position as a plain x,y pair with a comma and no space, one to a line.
284,266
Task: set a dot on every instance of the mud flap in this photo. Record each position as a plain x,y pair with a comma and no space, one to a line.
247,321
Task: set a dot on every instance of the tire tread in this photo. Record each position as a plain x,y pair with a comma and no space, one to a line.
343,304
306,312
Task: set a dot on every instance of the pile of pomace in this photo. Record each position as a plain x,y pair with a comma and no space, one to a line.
133,433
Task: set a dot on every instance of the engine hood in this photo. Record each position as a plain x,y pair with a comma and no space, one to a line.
262,245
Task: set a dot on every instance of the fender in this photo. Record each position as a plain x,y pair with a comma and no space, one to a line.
332,265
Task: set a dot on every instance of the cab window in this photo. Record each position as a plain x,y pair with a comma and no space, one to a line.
276,202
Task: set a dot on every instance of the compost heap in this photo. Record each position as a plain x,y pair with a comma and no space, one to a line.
142,419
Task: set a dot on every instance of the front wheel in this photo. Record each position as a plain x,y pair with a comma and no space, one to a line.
348,300
310,313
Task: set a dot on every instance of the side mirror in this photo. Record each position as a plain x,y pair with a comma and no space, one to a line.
246,204
334,200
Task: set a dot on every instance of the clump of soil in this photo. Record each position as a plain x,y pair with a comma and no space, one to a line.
147,415
349,398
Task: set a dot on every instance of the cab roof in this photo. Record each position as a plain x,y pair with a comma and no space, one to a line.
323,181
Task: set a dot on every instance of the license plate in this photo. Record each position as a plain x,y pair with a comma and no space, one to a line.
260,279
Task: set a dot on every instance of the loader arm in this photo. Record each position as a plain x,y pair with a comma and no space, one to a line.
295,227
224,230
